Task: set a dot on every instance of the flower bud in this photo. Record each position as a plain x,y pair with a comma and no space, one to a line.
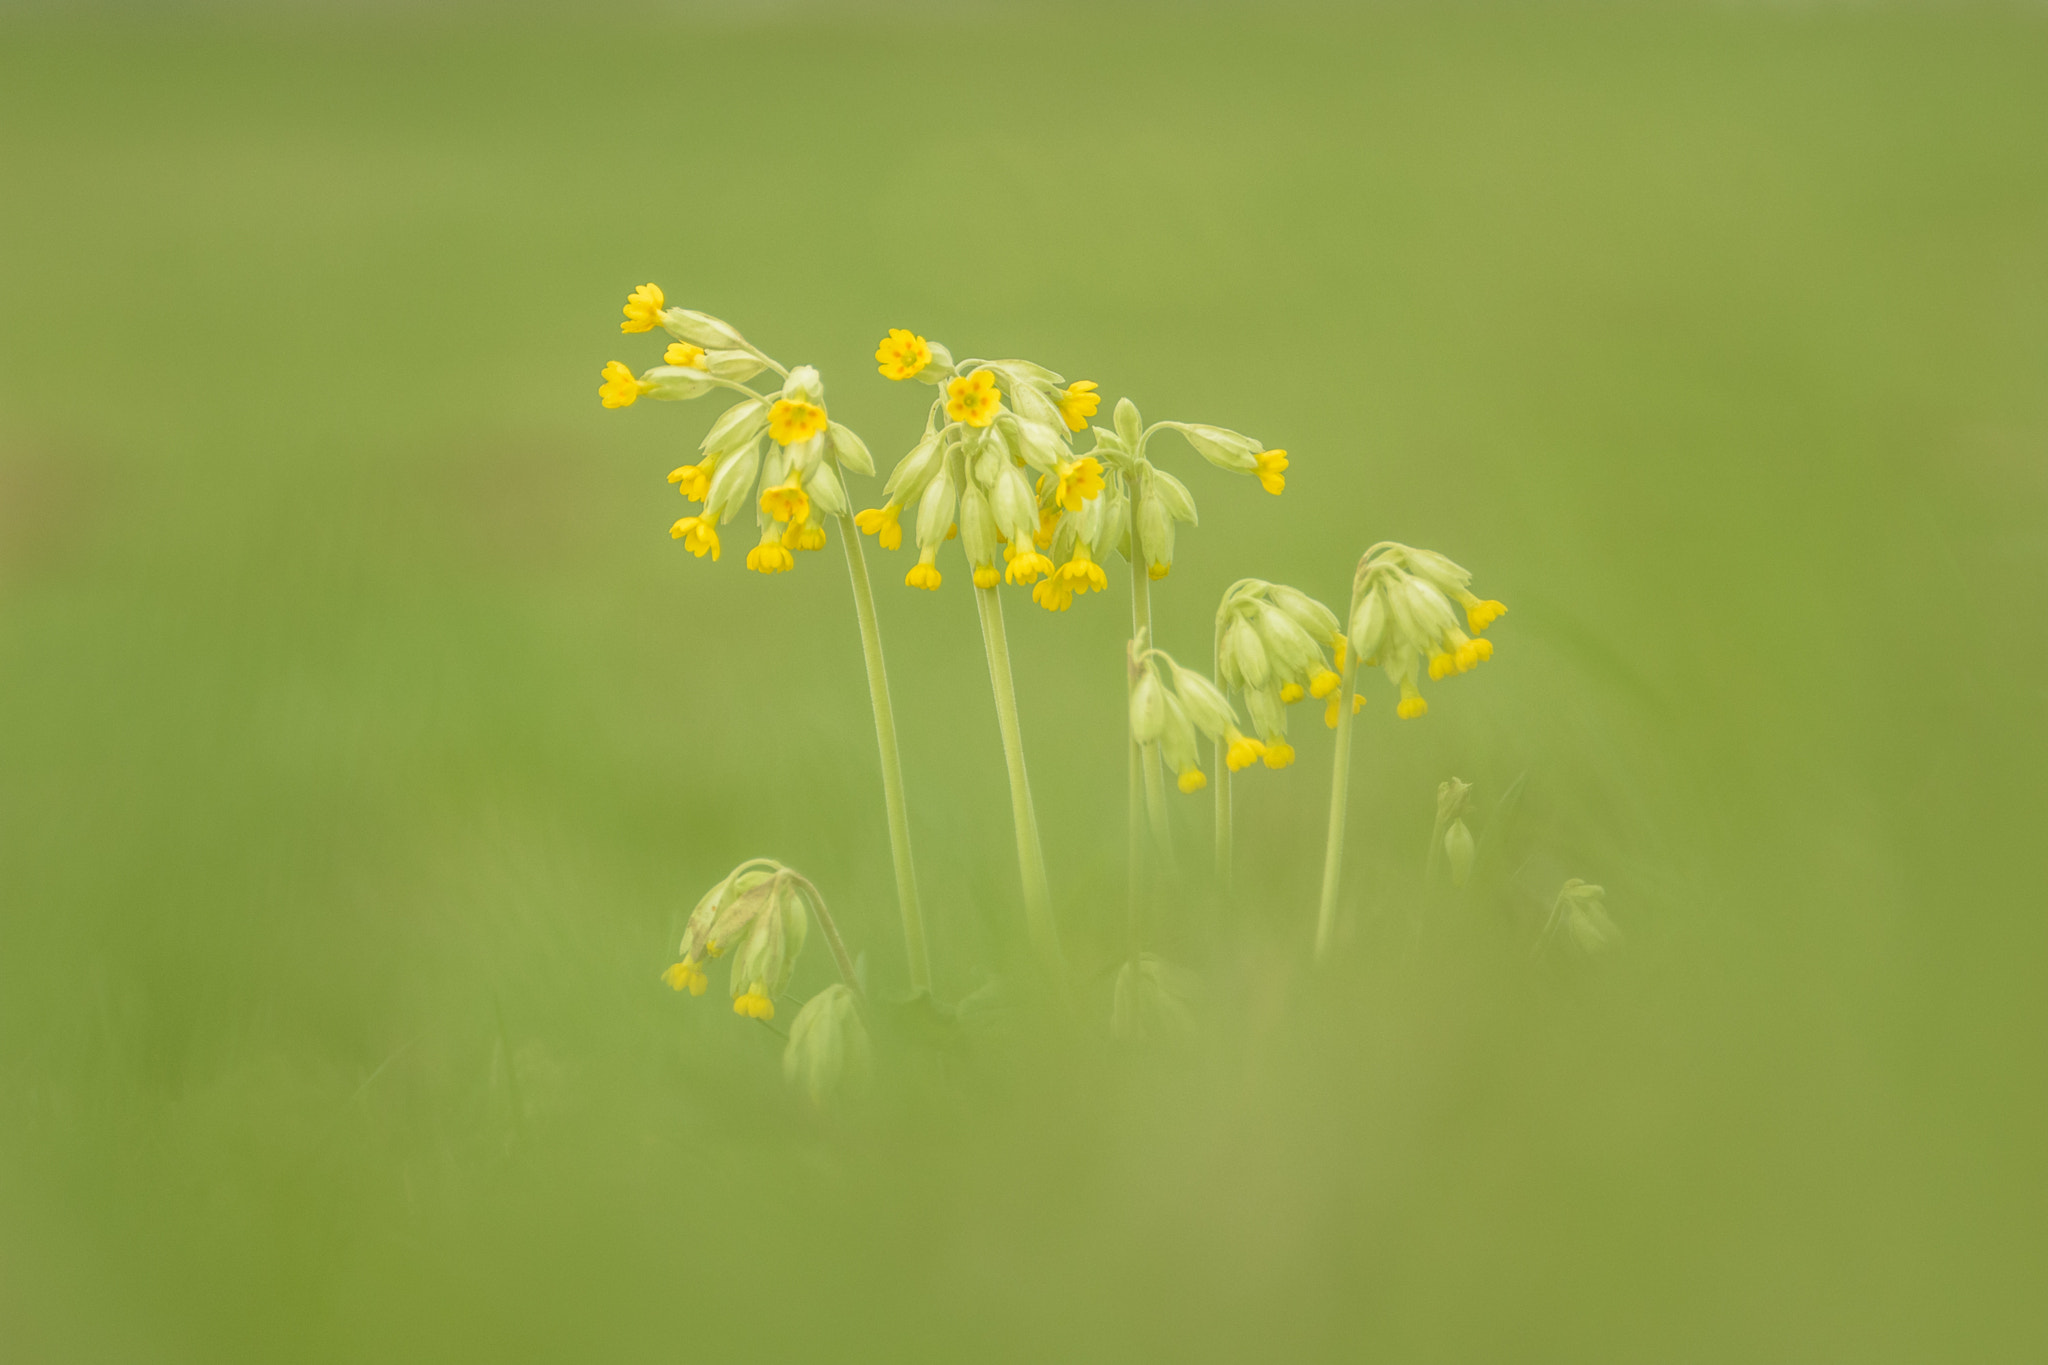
826,491
1294,653
804,385
1244,657
674,383
738,366
731,480
977,526
765,956
1312,616
1015,510
907,481
1584,907
849,449
736,426
1179,503
935,511
828,1045
1459,851
1221,447
1268,712
1452,797
1206,705
1155,534
1148,708
1129,425
701,329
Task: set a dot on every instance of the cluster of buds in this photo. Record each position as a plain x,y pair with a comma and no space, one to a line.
828,1044
1405,608
1270,649
759,915
994,425
782,442
1581,910
1170,705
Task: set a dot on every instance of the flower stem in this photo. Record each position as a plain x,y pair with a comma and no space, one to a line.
1340,791
825,922
1141,631
892,760
1223,849
1030,851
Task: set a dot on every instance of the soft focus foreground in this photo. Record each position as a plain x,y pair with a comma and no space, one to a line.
367,737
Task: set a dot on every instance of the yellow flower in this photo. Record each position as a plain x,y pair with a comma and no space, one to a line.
1271,462
769,556
1413,703
924,573
1193,779
1078,404
684,354
1158,571
1479,615
787,501
1461,654
1323,684
880,522
1048,527
1291,693
792,420
1053,594
973,399
1081,573
811,537
643,309
693,481
698,534
902,354
686,976
1240,751
1025,567
1340,646
755,1004
1279,753
1330,711
987,575
620,387
1080,480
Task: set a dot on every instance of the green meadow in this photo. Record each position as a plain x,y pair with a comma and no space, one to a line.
364,738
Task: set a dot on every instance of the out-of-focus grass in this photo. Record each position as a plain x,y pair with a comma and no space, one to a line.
364,734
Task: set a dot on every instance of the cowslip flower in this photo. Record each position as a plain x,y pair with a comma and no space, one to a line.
1078,403
692,480
902,354
974,399
787,501
754,1004
687,975
643,309
1271,464
1026,565
770,556
1079,481
924,573
1240,751
1081,573
699,536
621,387
881,523
792,420
682,353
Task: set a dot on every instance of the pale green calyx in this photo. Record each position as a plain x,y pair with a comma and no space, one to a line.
828,1047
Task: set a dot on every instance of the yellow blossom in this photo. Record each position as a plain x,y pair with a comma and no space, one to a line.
1330,711
1479,615
1240,751
787,501
1080,480
1158,571
769,556
1271,463
1048,527
1291,693
1193,779
643,309
684,354
924,573
755,1004
1053,594
620,387
973,399
1027,566
1279,753
692,480
902,354
810,536
880,522
686,975
792,420
987,575
1079,403
698,534
1413,703
1323,683
1082,573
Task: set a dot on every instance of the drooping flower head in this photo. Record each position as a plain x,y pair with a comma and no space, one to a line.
1404,613
1270,643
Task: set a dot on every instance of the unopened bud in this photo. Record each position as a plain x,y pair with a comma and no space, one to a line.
828,1045
1459,851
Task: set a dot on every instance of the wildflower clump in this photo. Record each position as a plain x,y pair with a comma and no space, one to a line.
757,915
1406,606
1271,643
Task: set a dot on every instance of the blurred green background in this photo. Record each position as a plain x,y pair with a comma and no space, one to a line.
363,735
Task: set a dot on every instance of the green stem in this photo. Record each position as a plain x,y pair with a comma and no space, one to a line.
1030,851
1340,792
1223,848
892,760
1134,846
825,922
1141,630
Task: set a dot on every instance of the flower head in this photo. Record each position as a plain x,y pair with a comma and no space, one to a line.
1271,465
1479,615
682,353
1081,573
881,523
1080,480
1240,751
924,573
1078,403
693,480
1025,566
1054,594
699,535
620,387
792,420
902,354
787,501
687,975
770,556
973,399
643,309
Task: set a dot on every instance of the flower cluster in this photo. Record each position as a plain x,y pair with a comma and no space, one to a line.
994,425
784,442
757,913
1170,705
1405,608
1270,643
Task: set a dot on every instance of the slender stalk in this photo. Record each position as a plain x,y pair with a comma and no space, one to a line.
1134,847
825,922
1223,848
892,760
1340,791
1141,630
1030,850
